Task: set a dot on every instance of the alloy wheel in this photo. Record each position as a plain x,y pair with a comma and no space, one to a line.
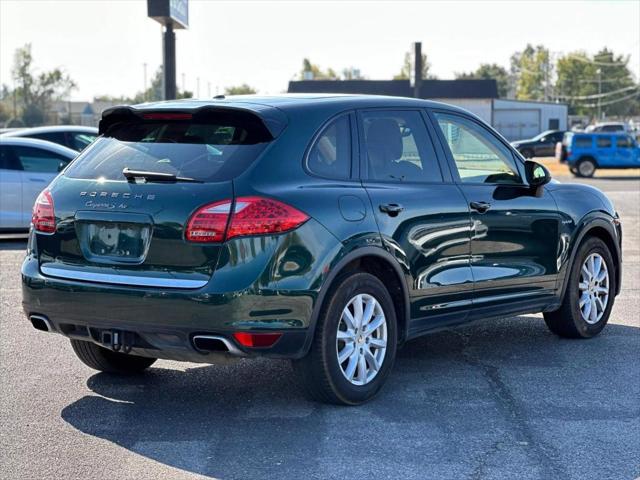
361,340
594,288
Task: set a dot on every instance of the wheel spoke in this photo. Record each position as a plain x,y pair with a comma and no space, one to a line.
587,308
346,336
583,285
348,319
377,342
584,299
600,303
597,266
368,312
586,272
603,290
593,315
375,324
362,368
371,359
351,367
602,276
591,266
346,352
357,311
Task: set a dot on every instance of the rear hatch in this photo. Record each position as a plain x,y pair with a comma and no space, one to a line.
122,208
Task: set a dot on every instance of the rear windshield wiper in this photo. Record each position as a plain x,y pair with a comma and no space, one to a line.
141,176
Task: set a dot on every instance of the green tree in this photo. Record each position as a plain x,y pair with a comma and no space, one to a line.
490,71
243,89
407,68
533,70
154,93
36,91
600,83
315,72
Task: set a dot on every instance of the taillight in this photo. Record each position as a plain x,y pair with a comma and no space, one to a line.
259,216
256,339
208,223
251,216
43,218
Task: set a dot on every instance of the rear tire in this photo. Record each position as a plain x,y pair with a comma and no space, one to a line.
569,321
373,343
586,168
100,358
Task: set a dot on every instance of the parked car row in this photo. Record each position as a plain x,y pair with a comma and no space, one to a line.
605,145
30,158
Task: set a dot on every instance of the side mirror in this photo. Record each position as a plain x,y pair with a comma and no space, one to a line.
537,175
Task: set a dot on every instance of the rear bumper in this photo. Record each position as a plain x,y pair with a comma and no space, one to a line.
256,295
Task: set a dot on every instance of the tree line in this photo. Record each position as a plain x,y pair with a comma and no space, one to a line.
587,83
593,85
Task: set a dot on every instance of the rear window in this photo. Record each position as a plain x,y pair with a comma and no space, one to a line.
583,142
208,147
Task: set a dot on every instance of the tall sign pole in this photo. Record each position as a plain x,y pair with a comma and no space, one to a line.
173,14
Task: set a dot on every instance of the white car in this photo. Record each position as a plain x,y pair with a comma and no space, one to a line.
27,166
75,137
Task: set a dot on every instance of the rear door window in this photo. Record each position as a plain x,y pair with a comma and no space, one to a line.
40,160
8,160
55,137
603,142
398,147
207,147
624,142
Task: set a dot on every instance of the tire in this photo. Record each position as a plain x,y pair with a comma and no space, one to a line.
527,153
568,321
573,170
323,376
100,358
586,168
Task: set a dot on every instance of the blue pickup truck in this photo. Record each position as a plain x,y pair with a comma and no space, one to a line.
585,152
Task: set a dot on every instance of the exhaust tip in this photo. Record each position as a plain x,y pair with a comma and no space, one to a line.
213,343
41,323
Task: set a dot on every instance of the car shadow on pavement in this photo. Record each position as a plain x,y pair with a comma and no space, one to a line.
487,399
11,244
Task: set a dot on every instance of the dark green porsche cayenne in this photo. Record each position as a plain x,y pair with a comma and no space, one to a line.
328,230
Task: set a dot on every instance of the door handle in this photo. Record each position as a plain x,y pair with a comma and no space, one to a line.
37,180
480,207
391,209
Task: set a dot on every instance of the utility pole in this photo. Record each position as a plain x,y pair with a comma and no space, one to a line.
184,86
144,92
417,69
599,72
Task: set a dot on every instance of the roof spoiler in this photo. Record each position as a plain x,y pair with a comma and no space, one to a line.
273,119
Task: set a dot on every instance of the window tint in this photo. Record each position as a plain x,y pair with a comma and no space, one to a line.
330,155
55,137
398,147
80,140
39,160
583,142
209,147
612,128
603,142
479,156
624,142
8,160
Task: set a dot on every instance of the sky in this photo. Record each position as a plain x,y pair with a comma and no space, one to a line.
103,45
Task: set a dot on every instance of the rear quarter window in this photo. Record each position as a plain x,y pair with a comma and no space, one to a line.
603,142
208,147
583,142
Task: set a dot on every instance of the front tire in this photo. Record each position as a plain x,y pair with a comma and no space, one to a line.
105,360
589,295
354,344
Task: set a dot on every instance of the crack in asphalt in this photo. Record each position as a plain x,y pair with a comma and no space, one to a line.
515,415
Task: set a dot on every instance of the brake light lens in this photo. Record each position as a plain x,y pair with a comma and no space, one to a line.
260,216
251,216
167,116
256,340
43,217
209,223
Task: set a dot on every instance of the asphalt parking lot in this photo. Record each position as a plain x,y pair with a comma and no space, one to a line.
503,399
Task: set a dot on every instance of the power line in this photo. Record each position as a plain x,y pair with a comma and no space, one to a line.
600,95
611,102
